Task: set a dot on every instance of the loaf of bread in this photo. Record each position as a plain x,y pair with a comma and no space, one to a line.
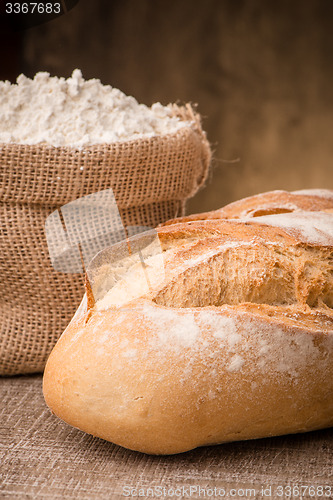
235,341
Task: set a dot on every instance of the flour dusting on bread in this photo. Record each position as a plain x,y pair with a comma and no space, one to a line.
317,229
170,328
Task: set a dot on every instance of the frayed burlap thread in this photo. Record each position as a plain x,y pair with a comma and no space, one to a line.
151,179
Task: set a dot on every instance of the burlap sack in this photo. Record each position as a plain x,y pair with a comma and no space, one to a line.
151,179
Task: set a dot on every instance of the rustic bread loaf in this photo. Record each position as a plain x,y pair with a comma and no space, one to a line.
235,343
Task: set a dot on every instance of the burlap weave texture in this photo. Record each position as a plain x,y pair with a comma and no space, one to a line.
151,179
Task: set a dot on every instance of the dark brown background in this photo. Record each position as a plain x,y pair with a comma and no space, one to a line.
261,72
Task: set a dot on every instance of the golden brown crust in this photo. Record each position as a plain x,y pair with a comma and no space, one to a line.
245,376
270,203
235,343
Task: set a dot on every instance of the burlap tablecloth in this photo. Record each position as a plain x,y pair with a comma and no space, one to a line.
41,457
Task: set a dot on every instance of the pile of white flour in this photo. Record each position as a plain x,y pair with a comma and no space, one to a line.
76,112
